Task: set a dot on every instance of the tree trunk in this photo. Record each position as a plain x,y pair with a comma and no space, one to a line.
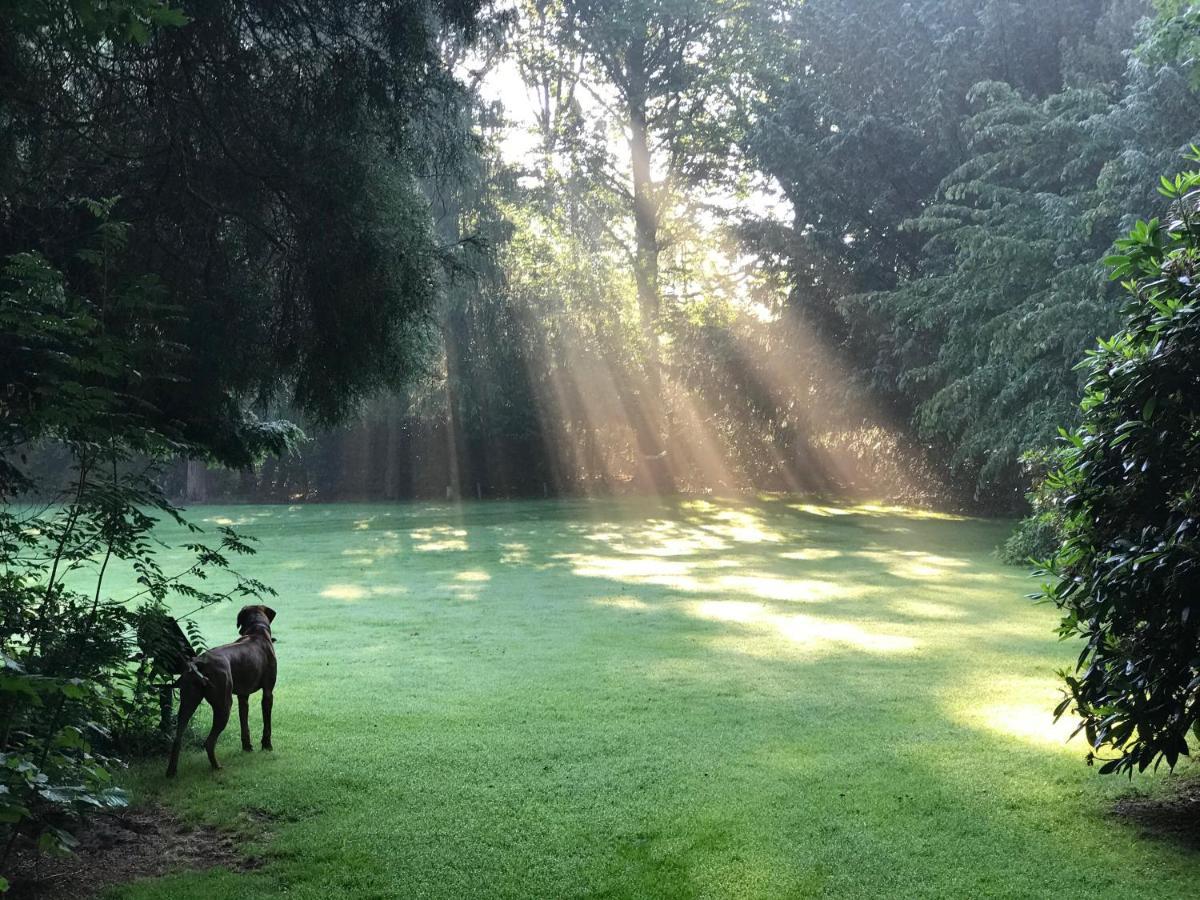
454,434
391,451
650,423
197,482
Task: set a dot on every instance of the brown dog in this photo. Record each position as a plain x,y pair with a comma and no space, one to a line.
243,667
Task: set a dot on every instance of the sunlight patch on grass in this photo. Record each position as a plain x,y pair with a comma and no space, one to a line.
368,555
1020,708
703,576
352,592
473,575
916,565
742,527
663,539
810,630
1032,722
807,631
655,714
514,553
438,538
824,512
770,587
634,570
741,611
347,592
230,522
915,569
875,509
812,554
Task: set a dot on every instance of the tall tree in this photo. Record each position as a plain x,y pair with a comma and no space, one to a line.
662,71
955,169
266,156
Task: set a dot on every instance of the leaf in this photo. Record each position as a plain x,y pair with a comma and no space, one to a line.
169,17
12,812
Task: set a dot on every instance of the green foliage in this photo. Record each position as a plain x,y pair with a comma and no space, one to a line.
270,155
950,204
74,690
1008,289
1127,492
1035,537
1175,37
1039,534
80,23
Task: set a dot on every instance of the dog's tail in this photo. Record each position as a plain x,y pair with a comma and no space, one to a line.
191,672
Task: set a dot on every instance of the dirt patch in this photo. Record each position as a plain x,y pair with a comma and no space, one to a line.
1173,816
115,849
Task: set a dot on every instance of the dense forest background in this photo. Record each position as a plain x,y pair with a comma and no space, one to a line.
840,246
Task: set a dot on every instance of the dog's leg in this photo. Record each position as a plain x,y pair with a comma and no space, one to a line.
268,702
189,699
222,705
244,715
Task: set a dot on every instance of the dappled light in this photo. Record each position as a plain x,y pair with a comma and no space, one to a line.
1021,709
811,554
771,579
809,633
870,671
1031,722
473,575
514,554
352,592
875,509
438,538
620,429
773,587
652,570
346,592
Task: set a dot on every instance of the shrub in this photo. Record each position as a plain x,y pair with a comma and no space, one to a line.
75,687
1128,491
1038,535
1035,537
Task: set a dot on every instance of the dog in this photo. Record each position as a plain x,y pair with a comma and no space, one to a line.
243,667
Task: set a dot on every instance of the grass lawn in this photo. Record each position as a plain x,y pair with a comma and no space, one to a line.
620,699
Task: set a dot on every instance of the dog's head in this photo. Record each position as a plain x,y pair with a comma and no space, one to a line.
254,619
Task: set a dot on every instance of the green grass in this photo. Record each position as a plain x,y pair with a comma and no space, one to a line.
619,699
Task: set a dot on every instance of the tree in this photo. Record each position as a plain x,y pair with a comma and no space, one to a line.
267,156
271,241
1128,493
662,69
1010,250
955,170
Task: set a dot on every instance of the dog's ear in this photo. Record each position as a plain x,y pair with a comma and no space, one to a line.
270,613
241,619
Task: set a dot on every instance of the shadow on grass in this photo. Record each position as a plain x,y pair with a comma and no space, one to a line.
1171,814
676,699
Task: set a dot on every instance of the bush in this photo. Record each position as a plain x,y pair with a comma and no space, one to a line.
1128,492
80,678
1038,535
1035,537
